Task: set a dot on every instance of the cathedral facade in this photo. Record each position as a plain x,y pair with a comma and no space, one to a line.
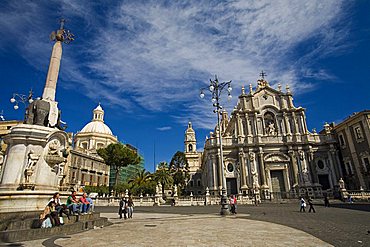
268,149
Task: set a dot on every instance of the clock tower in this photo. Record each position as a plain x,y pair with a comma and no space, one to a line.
190,140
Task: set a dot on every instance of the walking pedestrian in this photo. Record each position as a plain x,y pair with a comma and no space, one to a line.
130,207
122,208
310,202
326,201
303,205
232,204
235,204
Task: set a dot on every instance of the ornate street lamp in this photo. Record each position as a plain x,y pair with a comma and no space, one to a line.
21,98
215,87
2,116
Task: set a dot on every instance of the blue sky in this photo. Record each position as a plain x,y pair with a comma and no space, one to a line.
145,61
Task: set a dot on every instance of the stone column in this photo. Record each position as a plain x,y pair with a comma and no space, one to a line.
219,171
239,125
339,163
255,124
287,125
214,172
296,127
334,172
52,77
295,167
262,170
304,123
249,132
243,173
313,167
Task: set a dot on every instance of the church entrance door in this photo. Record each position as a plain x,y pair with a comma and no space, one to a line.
324,181
232,188
277,183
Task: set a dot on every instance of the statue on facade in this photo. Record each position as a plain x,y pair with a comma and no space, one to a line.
271,128
341,184
305,175
251,157
255,180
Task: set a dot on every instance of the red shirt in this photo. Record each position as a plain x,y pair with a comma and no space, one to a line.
83,200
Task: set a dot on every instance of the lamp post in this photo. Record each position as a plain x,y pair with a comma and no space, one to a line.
21,98
215,87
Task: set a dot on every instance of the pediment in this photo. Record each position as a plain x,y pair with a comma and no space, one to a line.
276,157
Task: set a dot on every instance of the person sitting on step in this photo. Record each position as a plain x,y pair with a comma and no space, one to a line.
73,204
61,208
90,200
50,213
85,205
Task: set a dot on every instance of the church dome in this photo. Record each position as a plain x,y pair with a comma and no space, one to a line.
96,127
97,124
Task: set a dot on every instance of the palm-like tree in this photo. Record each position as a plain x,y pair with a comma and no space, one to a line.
163,175
140,180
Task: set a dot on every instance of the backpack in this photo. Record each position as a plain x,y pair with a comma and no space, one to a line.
46,223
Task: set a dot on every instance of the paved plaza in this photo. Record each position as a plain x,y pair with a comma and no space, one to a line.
263,225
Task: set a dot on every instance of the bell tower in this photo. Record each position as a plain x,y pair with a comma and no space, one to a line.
190,140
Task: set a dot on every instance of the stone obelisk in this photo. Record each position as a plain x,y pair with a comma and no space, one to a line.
52,77
37,150
59,37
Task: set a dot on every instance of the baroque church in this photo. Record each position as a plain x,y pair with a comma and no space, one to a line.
267,149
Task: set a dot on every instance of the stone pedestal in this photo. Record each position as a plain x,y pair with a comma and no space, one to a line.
34,164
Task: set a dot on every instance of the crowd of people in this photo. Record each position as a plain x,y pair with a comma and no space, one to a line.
54,210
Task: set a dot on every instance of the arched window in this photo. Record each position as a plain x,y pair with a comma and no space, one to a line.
191,183
341,140
270,126
84,145
190,148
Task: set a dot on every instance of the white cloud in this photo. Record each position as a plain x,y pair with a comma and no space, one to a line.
165,128
156,56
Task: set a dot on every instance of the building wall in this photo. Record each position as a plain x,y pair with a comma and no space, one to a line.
86,170
353,141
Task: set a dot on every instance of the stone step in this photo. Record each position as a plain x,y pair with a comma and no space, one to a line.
33,222
38,233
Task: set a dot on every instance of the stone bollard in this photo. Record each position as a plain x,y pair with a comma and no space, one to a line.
191,198
141,199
